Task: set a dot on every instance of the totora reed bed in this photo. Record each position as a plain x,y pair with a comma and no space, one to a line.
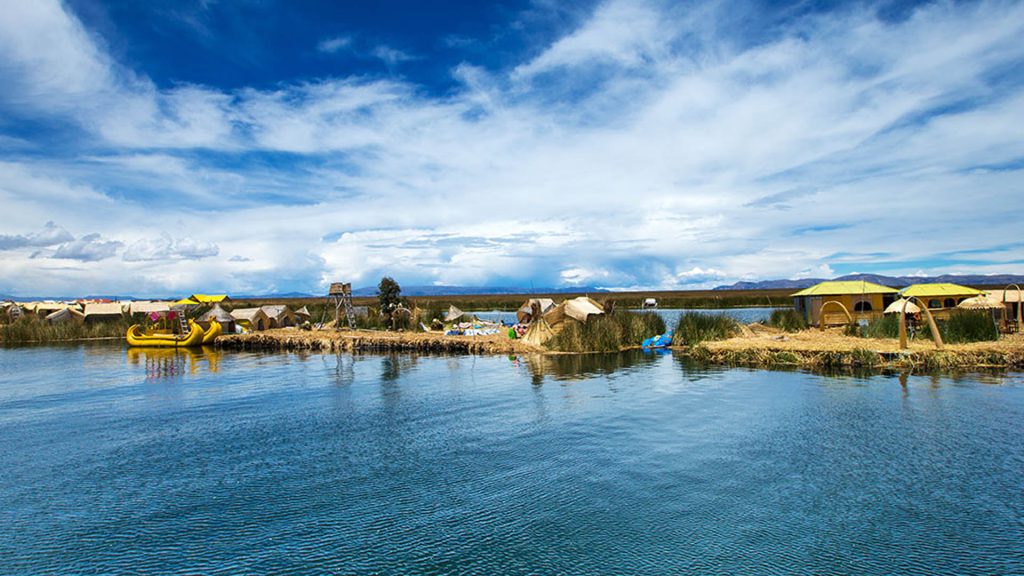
755,346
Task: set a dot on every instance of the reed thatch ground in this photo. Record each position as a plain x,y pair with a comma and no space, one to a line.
374,340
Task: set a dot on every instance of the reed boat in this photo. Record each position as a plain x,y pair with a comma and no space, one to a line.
194,337
212,332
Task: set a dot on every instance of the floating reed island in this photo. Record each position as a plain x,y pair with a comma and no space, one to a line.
375,341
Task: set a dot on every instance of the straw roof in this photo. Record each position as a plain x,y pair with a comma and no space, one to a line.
1005,295
146,307
248,314
840,287
216,313
579,309
980,303
103,309
546,304
897,307
64,315
277,311
47,307
304,312
939,290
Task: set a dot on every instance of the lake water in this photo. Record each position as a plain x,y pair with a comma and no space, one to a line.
670,315
198,462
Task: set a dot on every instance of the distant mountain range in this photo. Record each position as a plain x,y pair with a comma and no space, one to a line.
891,281
474,290
426,291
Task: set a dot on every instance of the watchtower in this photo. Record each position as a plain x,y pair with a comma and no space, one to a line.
341,295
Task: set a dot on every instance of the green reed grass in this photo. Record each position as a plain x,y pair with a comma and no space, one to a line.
695,327
607,333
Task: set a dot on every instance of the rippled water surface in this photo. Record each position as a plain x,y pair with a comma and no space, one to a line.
163,462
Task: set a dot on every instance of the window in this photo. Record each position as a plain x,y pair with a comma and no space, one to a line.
862,306
949,303
935,303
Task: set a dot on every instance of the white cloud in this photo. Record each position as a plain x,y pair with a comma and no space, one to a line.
50,235
646,147
88,248
391,56
334,44
167,248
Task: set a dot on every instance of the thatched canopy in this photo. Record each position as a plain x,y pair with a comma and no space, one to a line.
897,307
980,303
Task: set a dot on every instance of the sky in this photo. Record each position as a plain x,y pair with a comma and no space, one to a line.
261,146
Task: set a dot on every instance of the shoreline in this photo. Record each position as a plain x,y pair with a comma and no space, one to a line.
808,349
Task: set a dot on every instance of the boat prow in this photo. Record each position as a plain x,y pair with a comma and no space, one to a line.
194,337
212,332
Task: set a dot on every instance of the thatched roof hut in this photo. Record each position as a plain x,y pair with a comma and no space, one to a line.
98,311
578,309
280,315
524,315
252,319
222,316
147,307
68,314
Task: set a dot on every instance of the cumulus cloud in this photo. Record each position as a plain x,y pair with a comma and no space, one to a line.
50,235
167,248
88,248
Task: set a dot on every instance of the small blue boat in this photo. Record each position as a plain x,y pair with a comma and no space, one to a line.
659,341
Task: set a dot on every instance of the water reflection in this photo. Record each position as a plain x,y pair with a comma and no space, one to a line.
173,362
583,366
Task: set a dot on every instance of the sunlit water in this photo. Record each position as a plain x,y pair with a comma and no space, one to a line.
163,462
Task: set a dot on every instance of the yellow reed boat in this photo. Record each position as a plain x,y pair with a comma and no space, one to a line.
139,337
212,332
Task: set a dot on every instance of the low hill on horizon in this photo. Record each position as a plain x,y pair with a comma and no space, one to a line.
891,281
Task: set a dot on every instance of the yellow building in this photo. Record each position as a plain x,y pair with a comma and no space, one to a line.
863,300
940,296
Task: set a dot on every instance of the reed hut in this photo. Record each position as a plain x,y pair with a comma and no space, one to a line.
861,300
222,316
578,309
280,315
251,319
63,315
147,307
525,312
103,311
302,315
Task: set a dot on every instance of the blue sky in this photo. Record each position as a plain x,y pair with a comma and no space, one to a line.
261,146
